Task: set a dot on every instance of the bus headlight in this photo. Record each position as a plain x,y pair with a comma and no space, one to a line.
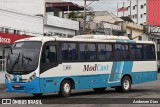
32,77
8,77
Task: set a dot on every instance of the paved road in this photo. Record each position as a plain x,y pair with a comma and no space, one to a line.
145,90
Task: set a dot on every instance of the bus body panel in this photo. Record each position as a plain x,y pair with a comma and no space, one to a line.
108,78
86,75
85,81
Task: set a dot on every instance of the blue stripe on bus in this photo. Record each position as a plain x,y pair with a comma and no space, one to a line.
40,85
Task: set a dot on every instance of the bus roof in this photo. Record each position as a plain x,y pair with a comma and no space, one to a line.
46,39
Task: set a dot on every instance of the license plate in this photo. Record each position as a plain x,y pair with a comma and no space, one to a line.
17,86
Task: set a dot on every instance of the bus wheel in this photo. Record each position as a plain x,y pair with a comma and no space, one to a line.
99,89
125,85
65,89
38,95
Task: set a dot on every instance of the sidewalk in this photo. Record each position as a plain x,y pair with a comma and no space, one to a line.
2,86
2,77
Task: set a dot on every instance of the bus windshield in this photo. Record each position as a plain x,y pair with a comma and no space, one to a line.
23,57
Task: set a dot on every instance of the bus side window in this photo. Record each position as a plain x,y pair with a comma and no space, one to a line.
149,52
109,52
69,51
91,51
87,51
45,55
125,52
101,52
132,51
117,52
83,51
139,52
52,54
49,54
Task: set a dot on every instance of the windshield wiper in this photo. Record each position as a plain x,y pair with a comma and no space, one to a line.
16,61
24,57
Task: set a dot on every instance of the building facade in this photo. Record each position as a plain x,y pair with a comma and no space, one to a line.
51,13
24,18
136,10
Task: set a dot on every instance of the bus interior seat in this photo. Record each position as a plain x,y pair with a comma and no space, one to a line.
82,55
92,55
73,54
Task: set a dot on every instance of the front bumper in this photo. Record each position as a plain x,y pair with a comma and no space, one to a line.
25,87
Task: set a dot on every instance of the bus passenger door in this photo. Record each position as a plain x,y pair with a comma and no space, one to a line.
48,63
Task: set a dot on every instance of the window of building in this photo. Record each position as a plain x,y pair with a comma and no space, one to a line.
142,6
70,36
87,51
58,34
134,7
140,38
69,51
6,30
136,16
2,29
141,15
105,52
127,8
149,52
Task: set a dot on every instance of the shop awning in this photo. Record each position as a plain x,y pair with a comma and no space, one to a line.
6,38
64,6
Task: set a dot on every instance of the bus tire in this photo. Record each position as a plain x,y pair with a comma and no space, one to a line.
125,85
99,89
38,95
65,88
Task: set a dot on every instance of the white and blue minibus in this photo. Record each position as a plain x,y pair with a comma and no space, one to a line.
40,65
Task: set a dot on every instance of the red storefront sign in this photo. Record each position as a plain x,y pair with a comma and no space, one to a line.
6,38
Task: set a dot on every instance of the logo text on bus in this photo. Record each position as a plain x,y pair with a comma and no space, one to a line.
96,67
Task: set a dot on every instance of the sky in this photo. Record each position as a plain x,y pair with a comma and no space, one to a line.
102,5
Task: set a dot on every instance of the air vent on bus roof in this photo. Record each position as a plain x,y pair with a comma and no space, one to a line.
101,37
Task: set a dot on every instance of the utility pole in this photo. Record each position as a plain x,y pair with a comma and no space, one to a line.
117,9
84,17
130,9
123,9
84,14
137,11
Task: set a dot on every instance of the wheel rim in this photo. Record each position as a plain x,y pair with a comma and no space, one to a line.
126,84
66,88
